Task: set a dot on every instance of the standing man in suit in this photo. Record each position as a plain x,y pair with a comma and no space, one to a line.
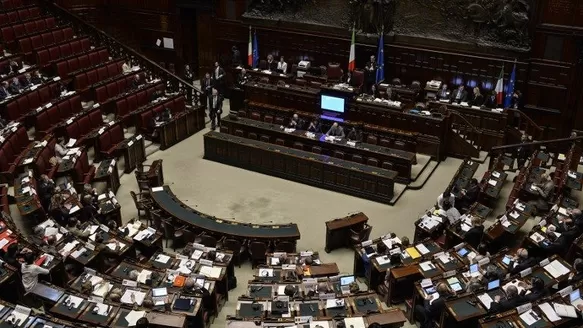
443,93
460,95
282,65
370,72
206,85
187,74
271,64
218,77
216,109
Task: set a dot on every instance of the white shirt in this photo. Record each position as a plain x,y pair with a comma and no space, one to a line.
282,66
60,150
440,200
215,101
30,274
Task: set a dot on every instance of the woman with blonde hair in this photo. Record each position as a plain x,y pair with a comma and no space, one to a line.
477,99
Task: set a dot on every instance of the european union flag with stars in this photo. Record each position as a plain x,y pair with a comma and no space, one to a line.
381,59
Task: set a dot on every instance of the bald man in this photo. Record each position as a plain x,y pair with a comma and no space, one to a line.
522,261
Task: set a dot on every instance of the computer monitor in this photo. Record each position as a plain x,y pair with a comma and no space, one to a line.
344,281
473,268
494,284
506,260
462,252
575,295
157,292
332,104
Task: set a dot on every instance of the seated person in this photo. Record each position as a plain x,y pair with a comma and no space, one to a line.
126,68
575,277
49,245
314,126
522,261
432,308
354,135
76,230
493,273
26,81
537,289
60,148
336,131
282,65
443,92
482,253
4,92
348,79
475,284
14,256
15,87
405,242
512,300
296,122
544,192
477,98
137,81
452,214
468,196
242,78
459,95
36,78
491,101
89,190
46,190
446,195
375,92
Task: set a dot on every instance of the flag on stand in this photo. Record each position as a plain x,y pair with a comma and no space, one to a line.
500,87
352,58
250,50
510,88
381,59
255,51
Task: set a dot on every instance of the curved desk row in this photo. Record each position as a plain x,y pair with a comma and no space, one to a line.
167,201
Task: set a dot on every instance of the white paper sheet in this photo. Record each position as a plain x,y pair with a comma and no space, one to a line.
549,312
564,310
486,300
138,296
213,272
422,249
162,258
134,316
528,318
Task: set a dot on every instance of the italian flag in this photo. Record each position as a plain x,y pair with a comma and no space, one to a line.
250,50
500,87
351,59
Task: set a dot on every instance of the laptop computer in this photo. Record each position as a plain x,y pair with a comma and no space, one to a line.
345,284
462,252
494,284
159,295
575,298
474,270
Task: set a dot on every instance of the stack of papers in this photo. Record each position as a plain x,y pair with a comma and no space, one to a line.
565,310
422,249
144,275
196,255
549,312
138,296
529,317
162,258
134,316
427,266
556,269
102,309
213,272
102,289
486,300
74,301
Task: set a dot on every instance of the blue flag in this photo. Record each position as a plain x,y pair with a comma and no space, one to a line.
255,51
381,60
510,88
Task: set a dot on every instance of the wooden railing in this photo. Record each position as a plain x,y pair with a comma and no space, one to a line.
526,124
467,130
119,50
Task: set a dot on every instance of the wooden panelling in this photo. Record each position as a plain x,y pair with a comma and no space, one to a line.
563,12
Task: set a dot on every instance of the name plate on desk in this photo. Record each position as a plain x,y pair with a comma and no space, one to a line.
544,262
566,291
206,262
310,281
523,308
288,267
366,243
525,272
129,283
302,320
306,254
104,227
194,245
448,274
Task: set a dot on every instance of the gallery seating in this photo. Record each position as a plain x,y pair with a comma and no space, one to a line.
49,118
134,100
84,124
29,44
45,55
83,172
13,15
108,141
16,31
84,80
20,106
42,163
12,4
68,65
13,142
144,124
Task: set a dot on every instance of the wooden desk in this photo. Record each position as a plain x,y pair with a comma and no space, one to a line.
338,231
134,152
392,159
180,127
155,174
296,165
107,171
323,270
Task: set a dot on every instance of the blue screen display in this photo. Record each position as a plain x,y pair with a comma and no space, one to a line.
334,104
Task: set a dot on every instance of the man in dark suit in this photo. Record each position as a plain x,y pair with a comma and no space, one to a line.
314,126
37,78
271,64
459,95
443,93
491,101
512,300
136,82
14,87
216,109
242,78
296,123
26,81
468,196
4,93
370,73
206,85
218,77
522,152
522,261
432,308
336,131
474,236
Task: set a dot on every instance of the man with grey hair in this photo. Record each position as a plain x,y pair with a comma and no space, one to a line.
522,261
512,300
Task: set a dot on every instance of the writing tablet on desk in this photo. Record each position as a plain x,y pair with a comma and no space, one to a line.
184,304
309,309
250,310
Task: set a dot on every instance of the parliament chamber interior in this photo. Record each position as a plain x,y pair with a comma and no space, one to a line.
291,163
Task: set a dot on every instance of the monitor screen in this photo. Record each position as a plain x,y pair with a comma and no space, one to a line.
334,104
494,284
506,260
575,295
157,292
462,252
346,280
473,268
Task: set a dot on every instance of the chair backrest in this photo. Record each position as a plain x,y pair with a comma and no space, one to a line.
258,249
232,245
285,246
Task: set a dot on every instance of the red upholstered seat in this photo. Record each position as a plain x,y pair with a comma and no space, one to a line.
32,12
58,36
54,53
19,30
30,27
104,142
23,106
116,133
65,50
102,74
51,22
179,104
132,103
83,61
121,85
112,70
33,100
48,38
44,95
103,55
142,97
85,44
54,115
84,125
64,109
23,14
42,122
41,25
12,112
145,119
92,77
95,118
73,130
7,34
121,107
76,47
25,45
101,94
94,59
112,90
22,138
68,33
62,69
76,106
73,64
13,17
